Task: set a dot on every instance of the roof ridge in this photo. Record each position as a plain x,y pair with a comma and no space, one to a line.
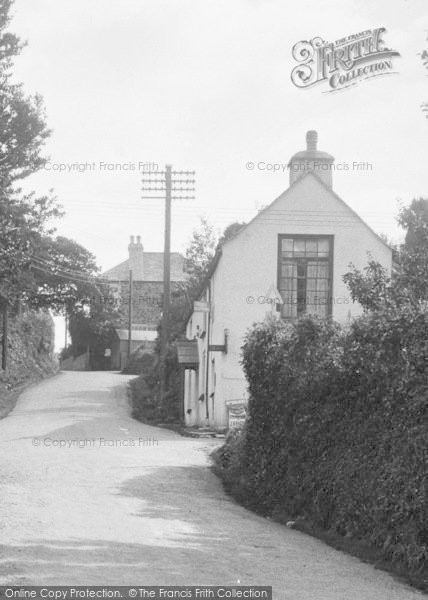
292,185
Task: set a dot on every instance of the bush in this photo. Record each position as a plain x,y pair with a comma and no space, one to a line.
147,406
337,429
140,361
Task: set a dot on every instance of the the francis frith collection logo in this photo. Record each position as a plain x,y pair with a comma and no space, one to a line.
342,63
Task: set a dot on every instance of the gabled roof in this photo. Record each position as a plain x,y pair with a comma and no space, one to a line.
137,335
286,192
152,268
218,255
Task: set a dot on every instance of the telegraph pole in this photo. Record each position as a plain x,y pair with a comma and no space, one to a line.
4,340
170,183
166,267
65,330
130,316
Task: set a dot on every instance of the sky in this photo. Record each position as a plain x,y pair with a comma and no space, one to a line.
205,85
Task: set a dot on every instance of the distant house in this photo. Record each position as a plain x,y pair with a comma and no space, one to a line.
119,349
147,296
288,261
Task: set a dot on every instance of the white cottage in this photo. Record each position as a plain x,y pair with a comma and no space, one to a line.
289,260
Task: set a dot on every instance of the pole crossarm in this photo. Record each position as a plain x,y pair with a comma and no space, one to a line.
180,183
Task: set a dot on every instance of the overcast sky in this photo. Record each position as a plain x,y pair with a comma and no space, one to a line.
205,85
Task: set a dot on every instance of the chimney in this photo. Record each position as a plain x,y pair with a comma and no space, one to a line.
136,263
313,160
311,141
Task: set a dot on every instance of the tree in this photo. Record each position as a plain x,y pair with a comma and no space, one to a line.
424,58
230,232
413,257
93,328
23,127
200,253
64,276
373,288
23,223
369,287
23,131
201,250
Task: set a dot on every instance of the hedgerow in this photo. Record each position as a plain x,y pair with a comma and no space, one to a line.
337,429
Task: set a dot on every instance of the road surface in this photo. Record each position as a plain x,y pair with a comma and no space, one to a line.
90,496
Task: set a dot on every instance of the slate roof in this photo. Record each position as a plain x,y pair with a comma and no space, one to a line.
137,335
152,268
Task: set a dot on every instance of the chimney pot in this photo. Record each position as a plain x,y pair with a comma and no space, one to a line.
311,140
136,258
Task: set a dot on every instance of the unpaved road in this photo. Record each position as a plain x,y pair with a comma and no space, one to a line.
143,512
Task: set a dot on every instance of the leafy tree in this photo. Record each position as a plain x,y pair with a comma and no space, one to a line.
23,131
409,283
230,232
93,328
412,276
200,253
23,223
64,276
414,219
23,128
424,58
369,287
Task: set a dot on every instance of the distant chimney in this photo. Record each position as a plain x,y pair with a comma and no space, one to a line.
136,258
313,160
311,140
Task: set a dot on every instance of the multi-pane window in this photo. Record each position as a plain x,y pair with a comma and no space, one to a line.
305,275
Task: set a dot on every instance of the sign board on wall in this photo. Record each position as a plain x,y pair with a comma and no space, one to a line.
237,416
201,307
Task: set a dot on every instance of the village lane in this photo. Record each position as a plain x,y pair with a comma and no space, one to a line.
91,496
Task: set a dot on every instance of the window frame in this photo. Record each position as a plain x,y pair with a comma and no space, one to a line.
329,260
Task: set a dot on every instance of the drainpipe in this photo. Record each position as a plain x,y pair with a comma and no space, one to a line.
207,365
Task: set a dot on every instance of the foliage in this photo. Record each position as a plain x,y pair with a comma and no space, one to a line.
201,251
37,269
145,391
140,360
373,288
93,328
23,131
199,254
147,405
63,276
23,222
31,352
424,58
23,127
413,258
230,232
337,431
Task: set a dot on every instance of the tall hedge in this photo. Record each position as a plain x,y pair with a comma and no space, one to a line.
337,431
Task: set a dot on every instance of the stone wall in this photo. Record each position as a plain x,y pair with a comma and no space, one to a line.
147,302
30,353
